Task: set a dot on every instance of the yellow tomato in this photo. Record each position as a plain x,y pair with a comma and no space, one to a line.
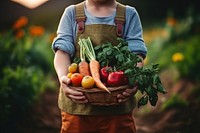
73,68
69,75
87,82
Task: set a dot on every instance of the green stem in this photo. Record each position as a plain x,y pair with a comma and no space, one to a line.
82,50
89,49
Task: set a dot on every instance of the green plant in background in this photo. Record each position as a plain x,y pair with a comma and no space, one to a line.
187,60
19,88
175,101
26,69
196,95
175,44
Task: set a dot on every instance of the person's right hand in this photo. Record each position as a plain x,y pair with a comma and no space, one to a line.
75,96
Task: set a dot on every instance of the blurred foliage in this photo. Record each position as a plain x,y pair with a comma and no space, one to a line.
174,43
187,60
196,95
26,68
175,101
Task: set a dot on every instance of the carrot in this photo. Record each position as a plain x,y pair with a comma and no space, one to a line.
83,66
94,69
94,64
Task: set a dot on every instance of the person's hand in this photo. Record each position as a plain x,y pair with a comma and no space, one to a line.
124,96
75,96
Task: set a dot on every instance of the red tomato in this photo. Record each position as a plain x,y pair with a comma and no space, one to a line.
76,79
104,72
116,78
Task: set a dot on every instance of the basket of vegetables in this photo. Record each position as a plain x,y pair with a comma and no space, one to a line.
106,70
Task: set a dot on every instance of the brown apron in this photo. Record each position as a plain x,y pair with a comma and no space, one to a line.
99,34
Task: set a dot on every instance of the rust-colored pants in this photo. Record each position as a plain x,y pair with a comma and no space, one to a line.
97,124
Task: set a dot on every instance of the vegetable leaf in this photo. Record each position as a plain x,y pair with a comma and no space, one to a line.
143,101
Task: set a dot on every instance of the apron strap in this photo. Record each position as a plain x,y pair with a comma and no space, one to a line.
120,18
80,17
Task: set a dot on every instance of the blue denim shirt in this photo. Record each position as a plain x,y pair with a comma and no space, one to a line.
67,30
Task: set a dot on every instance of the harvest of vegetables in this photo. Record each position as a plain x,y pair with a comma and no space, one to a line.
114,66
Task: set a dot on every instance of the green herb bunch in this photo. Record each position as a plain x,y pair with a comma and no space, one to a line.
121,58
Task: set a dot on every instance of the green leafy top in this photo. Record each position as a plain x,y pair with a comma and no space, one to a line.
115,56
121,58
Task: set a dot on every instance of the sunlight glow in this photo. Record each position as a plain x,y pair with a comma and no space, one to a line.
30,3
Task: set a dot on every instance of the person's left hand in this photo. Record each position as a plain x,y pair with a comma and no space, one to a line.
124,96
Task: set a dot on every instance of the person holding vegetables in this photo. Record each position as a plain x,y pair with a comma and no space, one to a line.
103,21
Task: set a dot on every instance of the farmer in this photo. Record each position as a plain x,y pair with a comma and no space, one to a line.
103,21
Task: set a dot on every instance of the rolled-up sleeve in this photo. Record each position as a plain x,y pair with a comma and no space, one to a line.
134,32
65,40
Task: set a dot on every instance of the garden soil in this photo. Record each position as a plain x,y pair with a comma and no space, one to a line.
44,116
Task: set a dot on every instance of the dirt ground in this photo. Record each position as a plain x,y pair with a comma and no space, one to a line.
45,116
